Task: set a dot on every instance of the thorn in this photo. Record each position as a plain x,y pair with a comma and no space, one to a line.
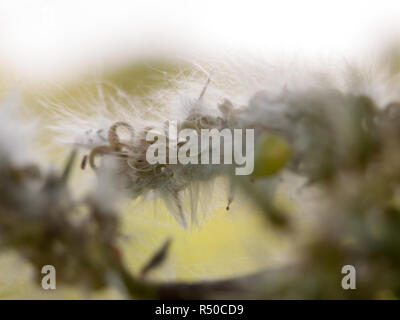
205,86
231,194
68,166
230,200
84,161
157,259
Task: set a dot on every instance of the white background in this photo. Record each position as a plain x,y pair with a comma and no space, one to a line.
46,38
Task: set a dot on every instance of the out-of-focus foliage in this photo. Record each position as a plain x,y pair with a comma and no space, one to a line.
272,154
347,149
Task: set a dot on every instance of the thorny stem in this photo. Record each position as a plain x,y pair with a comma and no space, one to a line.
68,166
254,285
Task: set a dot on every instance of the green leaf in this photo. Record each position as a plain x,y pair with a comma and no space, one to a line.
271,154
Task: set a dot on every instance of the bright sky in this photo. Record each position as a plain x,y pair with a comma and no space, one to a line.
48,37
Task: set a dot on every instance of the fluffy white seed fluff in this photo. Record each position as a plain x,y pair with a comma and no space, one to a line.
256,91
